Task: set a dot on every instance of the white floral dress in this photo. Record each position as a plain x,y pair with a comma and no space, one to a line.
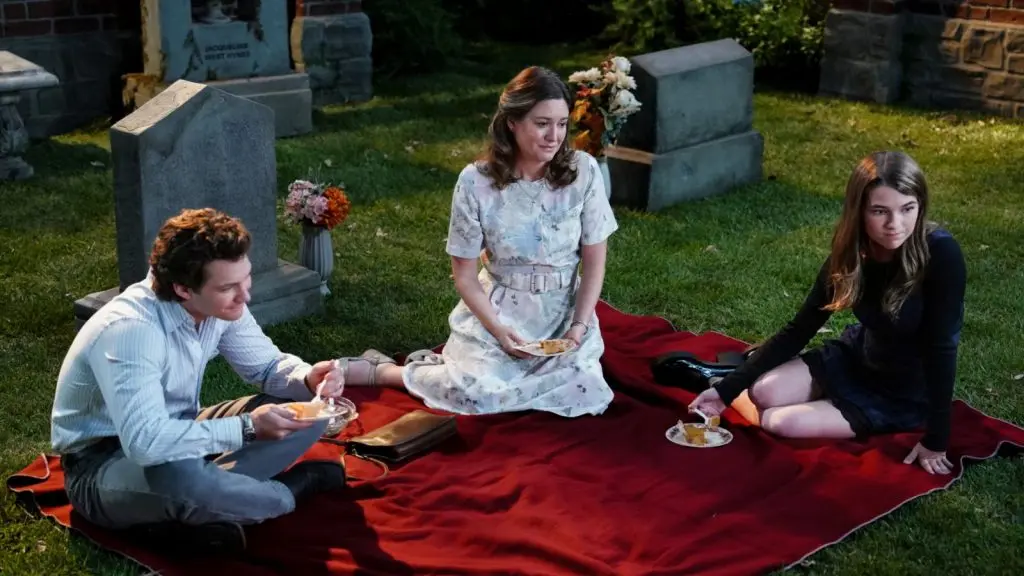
532,234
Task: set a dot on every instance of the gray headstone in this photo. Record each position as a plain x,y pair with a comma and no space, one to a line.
689,173
690,94
240,47
194,146
696,125
204,44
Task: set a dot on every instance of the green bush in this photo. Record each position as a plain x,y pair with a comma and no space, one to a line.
784,36
779,33
640,26
412,35
529,21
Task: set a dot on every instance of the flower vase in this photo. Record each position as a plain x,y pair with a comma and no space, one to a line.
602,162
317,253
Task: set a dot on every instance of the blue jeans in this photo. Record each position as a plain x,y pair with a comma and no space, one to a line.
112,491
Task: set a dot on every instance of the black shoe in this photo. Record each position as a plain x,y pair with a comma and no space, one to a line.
310,477
685,370
179,538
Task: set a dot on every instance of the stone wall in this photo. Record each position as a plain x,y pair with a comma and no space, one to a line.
332,42
82,42
90,45
949,54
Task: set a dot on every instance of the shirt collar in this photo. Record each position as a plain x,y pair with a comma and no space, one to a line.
172,314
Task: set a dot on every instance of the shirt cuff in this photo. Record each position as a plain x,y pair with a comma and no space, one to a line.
225,434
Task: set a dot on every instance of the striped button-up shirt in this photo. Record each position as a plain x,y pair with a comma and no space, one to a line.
135,370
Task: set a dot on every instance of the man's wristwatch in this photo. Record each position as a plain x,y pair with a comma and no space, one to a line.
248,429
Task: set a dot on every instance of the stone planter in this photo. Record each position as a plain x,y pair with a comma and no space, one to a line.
16,76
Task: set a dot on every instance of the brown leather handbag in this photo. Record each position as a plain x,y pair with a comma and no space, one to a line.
407,437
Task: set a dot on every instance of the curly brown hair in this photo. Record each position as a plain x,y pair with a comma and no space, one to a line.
532,85
186,243
850,243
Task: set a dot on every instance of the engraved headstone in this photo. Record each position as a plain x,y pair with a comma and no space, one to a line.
194,146
239,46
696,125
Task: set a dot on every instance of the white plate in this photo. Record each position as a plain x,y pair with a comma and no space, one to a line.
534,348
328,412
715,437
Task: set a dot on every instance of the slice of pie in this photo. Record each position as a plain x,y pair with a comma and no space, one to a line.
305,409
554,346
695,434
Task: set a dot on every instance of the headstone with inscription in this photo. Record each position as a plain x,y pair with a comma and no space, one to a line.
239,46
194,146
694,136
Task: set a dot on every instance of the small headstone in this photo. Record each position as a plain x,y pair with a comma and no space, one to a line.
193,146
16,76
696,122
242,48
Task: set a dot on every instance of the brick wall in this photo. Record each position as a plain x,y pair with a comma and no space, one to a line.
85,43
966,54
43,17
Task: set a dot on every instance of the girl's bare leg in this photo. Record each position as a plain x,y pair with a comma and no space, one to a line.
785,401
790,383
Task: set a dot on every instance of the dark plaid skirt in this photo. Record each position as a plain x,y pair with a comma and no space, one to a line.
858,392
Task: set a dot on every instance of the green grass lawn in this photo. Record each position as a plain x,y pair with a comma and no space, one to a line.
738,263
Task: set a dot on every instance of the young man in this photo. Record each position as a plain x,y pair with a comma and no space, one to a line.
137,450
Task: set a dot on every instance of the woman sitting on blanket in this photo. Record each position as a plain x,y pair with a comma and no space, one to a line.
904,280
537,209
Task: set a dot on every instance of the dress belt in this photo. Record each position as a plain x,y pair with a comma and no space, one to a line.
534,278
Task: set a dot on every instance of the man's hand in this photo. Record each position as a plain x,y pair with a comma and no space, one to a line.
322,371
273,422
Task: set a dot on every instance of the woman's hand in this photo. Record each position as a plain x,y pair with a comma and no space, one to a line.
508,339
708,402
932,462
576,333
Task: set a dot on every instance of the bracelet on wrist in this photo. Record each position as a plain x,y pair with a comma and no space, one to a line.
586,327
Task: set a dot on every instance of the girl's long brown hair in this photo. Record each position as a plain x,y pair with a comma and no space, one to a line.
850,243
532,85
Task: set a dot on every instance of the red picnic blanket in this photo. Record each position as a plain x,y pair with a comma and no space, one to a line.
534,493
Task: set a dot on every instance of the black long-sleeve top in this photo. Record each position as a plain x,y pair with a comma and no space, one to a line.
913,357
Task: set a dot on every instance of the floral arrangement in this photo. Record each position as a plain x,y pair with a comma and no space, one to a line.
315,204
603,103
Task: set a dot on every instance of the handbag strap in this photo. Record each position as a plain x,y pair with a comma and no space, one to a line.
346,451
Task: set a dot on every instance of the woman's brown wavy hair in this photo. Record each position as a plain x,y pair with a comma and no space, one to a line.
531,86
851,244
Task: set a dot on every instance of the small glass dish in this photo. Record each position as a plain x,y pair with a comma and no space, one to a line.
342,412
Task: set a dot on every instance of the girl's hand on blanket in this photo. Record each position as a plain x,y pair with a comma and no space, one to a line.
708,402
508,339
933,462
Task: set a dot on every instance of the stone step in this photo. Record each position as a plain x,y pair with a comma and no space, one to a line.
690,173
690,94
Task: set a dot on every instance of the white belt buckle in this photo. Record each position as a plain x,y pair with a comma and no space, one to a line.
536,279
